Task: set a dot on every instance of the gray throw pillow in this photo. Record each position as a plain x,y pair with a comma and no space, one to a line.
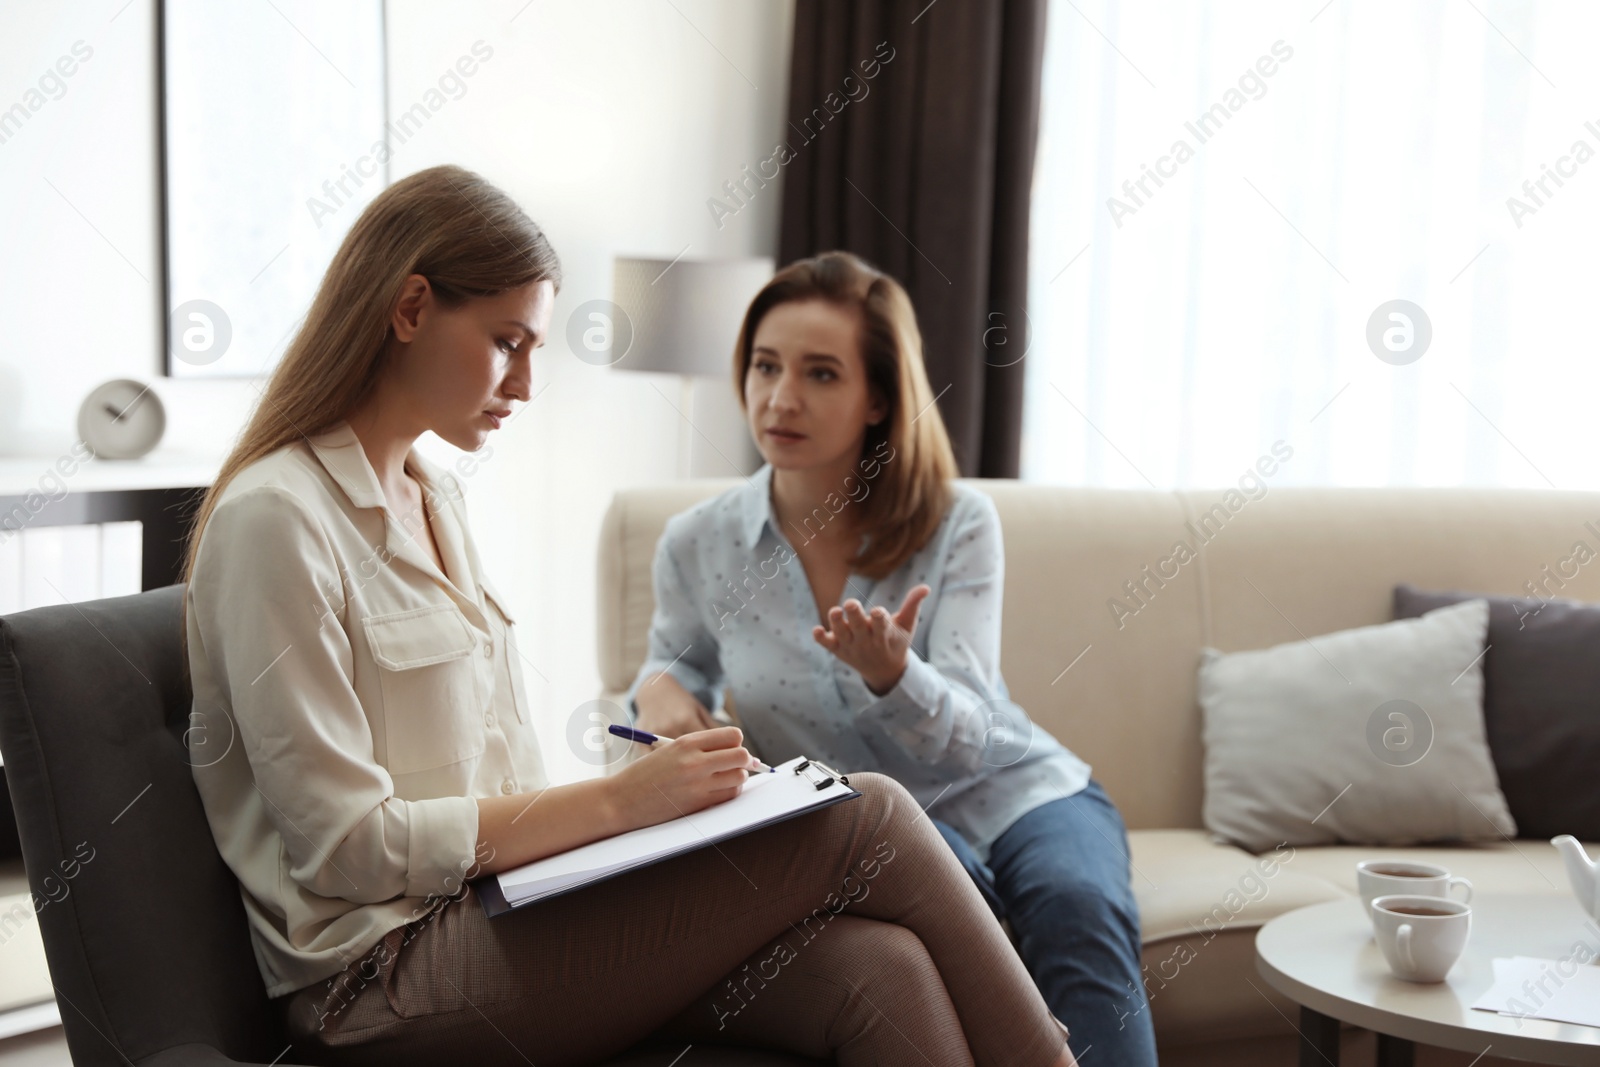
1541,706
1371,736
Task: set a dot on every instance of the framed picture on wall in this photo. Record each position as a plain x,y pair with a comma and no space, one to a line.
272,122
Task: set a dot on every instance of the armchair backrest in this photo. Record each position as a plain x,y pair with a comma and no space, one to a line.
142,921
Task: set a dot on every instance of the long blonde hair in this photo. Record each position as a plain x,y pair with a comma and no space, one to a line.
907,501
467,237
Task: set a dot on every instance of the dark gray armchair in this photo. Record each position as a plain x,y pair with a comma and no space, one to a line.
143,927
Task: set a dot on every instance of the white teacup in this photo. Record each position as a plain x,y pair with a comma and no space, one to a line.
1421,936
1376,878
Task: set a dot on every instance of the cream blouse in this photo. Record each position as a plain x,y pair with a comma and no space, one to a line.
350,701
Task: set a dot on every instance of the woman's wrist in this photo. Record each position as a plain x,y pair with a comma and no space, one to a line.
648,716
522,827
655,693
613,805
880,685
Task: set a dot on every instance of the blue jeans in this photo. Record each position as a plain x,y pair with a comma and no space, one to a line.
1060,875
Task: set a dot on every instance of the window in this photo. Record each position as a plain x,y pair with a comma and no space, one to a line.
1230,198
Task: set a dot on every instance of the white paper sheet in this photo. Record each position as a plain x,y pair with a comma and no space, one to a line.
765,798
1563,990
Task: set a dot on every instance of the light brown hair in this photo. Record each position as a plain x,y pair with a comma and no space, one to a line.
467,237
908,498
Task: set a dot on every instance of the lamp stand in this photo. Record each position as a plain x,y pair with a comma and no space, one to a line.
686,426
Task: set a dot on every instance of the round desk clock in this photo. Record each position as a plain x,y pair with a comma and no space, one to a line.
121,419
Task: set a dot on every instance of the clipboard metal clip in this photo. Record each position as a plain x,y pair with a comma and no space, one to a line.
818,773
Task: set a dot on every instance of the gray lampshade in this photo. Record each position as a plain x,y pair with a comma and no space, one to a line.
685,315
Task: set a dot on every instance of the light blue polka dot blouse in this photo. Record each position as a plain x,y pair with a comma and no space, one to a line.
734,610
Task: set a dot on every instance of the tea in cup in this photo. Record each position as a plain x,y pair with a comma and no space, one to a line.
1376,878
1421,936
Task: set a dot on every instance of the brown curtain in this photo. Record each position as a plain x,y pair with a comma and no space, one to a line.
912,129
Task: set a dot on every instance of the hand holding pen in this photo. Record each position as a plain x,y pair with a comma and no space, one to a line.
645,737
690,772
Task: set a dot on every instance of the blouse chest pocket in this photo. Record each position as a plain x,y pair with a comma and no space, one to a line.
432,697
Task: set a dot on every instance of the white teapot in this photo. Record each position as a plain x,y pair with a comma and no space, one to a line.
1581,871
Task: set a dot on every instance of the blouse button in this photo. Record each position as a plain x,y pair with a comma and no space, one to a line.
488,720
488,649
506,787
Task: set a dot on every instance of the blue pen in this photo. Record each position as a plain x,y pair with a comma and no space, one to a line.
645,737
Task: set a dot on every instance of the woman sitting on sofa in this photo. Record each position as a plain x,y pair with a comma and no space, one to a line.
850,596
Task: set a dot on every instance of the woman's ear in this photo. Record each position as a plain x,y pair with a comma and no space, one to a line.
415,295
877,411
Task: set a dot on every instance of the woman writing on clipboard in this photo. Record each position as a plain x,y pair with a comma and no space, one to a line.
368,743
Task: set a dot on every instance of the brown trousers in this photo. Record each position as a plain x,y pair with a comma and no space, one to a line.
850,933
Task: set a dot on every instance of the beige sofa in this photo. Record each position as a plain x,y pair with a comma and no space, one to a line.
1292,563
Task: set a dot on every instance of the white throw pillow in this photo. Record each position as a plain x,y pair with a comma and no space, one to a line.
1372,736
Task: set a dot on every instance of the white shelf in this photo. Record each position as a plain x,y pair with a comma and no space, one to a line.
21,475
26,995
27,1020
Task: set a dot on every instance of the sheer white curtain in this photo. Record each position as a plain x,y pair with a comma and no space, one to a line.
1354,153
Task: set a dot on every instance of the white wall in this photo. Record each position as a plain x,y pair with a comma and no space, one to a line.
612,122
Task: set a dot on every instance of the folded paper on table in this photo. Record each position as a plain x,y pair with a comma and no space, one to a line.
795,788
1564,991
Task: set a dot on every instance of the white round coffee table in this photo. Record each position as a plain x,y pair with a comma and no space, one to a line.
1324,959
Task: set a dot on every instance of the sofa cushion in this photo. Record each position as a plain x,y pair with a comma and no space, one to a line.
1369,736
1541,682
1200,904
1186,882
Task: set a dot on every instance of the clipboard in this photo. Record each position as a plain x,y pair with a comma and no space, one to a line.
797,787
